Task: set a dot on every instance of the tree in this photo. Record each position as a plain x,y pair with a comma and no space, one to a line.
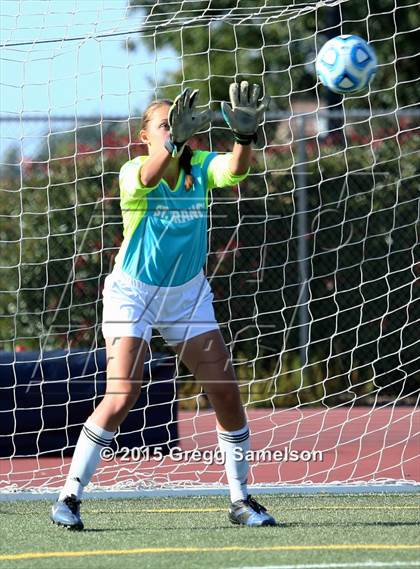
60,231
217,42
61,223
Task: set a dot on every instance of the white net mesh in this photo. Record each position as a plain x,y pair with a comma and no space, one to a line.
313,259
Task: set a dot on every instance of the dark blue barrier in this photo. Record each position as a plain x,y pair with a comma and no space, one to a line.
44,402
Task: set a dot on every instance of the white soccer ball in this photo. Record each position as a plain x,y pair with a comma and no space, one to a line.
346,64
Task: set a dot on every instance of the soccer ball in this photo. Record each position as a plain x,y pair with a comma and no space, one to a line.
346,64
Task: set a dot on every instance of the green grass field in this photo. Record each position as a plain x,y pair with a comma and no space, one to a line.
326,531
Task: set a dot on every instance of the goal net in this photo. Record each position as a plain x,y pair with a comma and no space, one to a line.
313,259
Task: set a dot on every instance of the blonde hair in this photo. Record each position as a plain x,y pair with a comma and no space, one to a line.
186,156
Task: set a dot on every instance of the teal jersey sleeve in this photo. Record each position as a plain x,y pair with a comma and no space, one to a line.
219,174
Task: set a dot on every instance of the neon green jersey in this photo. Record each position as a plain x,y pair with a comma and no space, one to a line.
165,231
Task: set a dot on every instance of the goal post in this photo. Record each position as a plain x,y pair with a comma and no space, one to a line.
313,259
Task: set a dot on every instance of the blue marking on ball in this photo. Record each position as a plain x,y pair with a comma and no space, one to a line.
346,64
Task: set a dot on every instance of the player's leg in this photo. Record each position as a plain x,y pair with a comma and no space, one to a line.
208,359
125,360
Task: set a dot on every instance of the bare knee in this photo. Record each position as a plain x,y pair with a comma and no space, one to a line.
123,400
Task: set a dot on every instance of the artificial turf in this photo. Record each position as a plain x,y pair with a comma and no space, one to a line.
343,530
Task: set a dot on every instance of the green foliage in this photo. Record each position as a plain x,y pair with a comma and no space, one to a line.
361,222
59,234
277,47
60,226
61,229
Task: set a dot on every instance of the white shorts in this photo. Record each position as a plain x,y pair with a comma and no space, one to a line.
133,308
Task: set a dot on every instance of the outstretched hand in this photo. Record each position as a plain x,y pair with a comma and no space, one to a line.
183,119
244,115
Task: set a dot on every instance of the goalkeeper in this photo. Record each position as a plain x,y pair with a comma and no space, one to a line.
158,282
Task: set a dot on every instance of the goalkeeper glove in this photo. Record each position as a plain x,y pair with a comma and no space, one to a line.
244,116
184,122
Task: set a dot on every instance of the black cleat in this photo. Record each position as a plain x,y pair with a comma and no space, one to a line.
250,513
66,513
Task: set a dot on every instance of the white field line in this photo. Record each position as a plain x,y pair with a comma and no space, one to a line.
360,565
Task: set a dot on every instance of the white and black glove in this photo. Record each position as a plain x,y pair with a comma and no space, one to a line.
184,121
244,114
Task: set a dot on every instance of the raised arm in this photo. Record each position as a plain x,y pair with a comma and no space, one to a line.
243,117
154,168
182,122
240,159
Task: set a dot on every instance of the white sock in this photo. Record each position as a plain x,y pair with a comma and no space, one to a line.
235,466
86,457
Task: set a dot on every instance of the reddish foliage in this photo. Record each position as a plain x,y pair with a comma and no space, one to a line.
85,148
34,167
79,261
79,287
117,240
231,247
111,140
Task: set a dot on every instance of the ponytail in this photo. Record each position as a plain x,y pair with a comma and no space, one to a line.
185,164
